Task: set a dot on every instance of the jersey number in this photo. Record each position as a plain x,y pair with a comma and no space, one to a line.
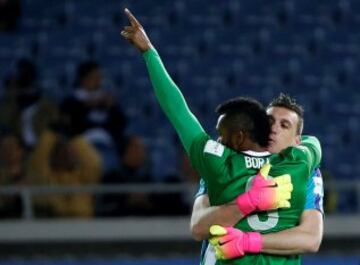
254,219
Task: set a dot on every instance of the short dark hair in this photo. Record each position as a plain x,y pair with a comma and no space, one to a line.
84,69
249,115
287,102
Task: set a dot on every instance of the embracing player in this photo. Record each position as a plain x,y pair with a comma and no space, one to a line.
244,130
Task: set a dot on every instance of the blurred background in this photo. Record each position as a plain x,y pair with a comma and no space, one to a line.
91,171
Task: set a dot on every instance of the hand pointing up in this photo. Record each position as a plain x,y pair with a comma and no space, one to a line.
135,33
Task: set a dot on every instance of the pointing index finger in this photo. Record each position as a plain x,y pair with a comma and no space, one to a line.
132,19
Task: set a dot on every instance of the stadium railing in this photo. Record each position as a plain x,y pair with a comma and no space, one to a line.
31,228
133,235
26,193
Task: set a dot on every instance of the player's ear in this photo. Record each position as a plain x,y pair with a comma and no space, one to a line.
237,140
298,139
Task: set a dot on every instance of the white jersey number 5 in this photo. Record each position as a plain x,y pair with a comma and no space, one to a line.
254,220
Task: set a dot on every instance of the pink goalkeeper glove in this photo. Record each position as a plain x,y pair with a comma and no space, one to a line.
230,242
266,194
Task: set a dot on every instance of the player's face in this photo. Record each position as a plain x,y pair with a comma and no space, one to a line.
284,124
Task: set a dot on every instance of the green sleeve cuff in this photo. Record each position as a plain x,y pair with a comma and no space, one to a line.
150,52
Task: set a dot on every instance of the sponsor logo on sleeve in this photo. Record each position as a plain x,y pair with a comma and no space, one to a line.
214,148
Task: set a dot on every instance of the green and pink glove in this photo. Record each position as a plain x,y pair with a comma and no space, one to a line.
230,242
266,193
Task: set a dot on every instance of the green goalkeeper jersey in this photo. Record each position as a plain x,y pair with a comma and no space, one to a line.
227,172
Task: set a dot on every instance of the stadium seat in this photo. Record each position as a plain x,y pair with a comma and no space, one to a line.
308,49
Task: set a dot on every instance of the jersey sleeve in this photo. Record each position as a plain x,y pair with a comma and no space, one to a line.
202,188
314,149
306,156
171,100
315,192
209,159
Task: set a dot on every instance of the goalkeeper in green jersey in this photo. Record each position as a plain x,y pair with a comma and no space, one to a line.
227,166
287,123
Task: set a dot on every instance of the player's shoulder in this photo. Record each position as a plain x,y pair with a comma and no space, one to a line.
291,154
206,150
296,152
215,148
307,143
301,149
209,147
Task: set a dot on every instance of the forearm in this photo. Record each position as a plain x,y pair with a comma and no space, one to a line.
301,239
171,100
286,242
204,216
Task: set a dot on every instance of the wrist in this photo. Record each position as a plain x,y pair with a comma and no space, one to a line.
149,53
253,242
146,48
245,204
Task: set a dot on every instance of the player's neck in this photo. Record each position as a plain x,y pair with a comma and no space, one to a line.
253,147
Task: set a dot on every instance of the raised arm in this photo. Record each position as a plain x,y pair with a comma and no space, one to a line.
166,91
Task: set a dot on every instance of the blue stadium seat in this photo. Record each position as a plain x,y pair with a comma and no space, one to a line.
216,50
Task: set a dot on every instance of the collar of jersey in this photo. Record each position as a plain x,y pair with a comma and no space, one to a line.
253,153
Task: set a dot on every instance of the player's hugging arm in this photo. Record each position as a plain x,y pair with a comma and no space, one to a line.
304,238
203,216
314,147
166,91
262,195
307,155
307,236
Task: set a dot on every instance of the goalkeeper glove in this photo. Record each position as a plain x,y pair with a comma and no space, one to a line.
266,194
230,242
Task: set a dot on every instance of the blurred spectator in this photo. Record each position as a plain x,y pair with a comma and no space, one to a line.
134,168
92,112
10,12
23,107
60,161
12,172
179,203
